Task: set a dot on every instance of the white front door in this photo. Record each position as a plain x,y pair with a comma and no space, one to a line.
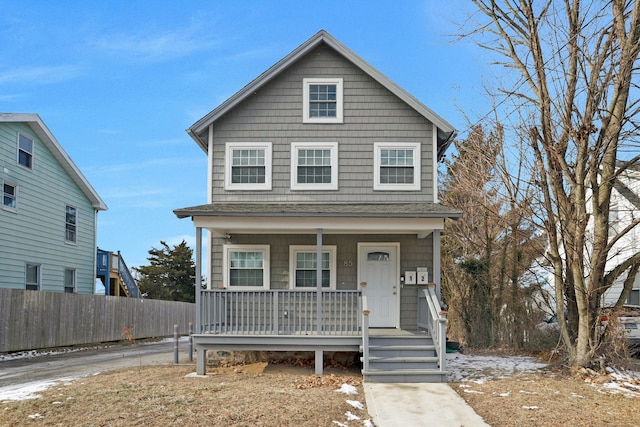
378,267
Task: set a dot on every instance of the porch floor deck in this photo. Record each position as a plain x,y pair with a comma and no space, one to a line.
301,341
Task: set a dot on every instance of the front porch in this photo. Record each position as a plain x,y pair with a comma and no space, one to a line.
327,321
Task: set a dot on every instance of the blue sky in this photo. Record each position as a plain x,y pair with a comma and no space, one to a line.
118,82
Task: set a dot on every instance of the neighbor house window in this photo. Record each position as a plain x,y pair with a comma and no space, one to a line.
396,166
248,166
314,165
9,196
322,100
32,277
25,151
634,297
303,261
70,224
246,266
69,280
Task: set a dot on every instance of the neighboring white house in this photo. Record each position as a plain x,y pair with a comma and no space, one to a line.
624,209
48,213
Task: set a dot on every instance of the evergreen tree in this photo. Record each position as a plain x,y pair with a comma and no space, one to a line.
170,275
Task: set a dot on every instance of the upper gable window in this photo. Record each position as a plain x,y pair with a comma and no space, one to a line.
248,166
322,100
396,166
314,165
25,151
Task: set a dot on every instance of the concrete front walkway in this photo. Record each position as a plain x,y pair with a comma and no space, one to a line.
423,404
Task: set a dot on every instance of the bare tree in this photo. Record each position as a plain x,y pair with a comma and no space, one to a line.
487,254
576,96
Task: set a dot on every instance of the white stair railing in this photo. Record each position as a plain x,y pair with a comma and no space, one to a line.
436,324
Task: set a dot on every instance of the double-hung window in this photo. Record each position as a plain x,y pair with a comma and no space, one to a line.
25,151
314,165
246,266
248,166
9,196
303,270
70,224
322,100
32,281
396,166
69,280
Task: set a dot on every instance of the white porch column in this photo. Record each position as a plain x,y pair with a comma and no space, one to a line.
436,262
198,286
319,280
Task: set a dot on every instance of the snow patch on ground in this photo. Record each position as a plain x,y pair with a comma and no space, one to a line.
477,369
29,390
463,367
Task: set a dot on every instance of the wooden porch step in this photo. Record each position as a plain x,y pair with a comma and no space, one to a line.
411,357
405,376
402,363
402,350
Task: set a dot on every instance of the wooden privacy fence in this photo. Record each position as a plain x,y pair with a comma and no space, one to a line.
36,319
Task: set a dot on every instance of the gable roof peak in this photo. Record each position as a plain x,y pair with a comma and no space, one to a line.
198,131
46,137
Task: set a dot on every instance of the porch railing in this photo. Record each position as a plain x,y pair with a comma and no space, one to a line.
435,323
279,312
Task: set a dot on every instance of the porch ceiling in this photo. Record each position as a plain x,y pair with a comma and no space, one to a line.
266,218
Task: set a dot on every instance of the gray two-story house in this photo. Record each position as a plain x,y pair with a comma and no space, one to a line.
49,211
323,218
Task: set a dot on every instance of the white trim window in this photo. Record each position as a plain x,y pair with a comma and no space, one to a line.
246,267
32,277
396,166
70,224
69,280
322,100
248,166
9,196
303,270
25,151
314,165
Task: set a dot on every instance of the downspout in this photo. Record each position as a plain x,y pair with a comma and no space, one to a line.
95,250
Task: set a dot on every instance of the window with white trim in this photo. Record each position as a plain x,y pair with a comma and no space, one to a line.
314,165
322,100
70,224
303,263
248,166
25,151
246,266
396,166
9,196
32,277
69,280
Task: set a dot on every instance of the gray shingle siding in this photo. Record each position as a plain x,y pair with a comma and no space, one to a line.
371,114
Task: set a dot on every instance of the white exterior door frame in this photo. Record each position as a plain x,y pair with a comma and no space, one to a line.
394,287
